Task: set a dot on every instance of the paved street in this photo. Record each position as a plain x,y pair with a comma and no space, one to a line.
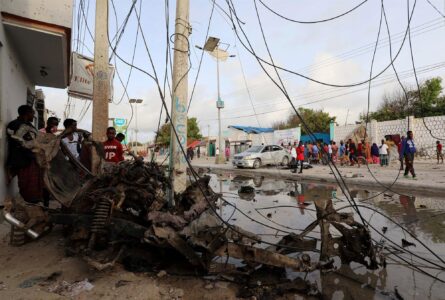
430,176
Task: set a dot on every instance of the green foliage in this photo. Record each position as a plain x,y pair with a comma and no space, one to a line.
193,132
396,105
317,121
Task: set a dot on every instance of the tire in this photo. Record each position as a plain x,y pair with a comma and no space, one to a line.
285,161
256,163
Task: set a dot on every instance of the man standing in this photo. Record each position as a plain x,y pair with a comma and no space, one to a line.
51,125
227,153
408,150
399,149
73,140
383,151
300,155
439,151
22,161
293,154
112,147
353,153
315,153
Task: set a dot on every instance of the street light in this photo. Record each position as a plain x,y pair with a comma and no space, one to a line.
136,102
212,46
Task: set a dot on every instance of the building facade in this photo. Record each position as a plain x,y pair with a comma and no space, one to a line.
35,47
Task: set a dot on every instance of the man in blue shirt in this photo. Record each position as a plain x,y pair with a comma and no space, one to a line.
408,151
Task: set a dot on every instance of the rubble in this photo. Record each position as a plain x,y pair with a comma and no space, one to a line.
123,215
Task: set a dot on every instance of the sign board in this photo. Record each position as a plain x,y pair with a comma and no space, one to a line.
121,126
219,103
287,136
119,122
82,75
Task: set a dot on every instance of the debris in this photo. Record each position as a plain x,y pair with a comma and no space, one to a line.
121,283
124,210
397,294
41,280
384,229
71,289
161,274
405,243
209,286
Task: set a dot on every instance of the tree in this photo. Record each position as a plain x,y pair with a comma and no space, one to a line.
397,105
193,132
316,120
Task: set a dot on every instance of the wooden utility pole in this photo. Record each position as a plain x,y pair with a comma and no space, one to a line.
101,85
178,163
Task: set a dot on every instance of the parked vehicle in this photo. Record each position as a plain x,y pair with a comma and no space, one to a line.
257,156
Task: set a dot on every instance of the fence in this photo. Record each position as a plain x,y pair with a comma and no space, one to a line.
424,136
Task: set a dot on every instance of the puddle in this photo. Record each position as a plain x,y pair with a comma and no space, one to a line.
288,206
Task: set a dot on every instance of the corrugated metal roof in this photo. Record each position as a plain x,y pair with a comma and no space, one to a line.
249,129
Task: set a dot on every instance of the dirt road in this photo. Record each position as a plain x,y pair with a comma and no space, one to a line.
28,265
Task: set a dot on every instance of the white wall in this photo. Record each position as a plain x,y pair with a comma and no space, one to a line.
13,90
57,12
423,138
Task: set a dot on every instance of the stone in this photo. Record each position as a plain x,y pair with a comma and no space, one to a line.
161,274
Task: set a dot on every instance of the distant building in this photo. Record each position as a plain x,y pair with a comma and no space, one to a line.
35,47
240,138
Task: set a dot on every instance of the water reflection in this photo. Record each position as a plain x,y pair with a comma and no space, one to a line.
288,206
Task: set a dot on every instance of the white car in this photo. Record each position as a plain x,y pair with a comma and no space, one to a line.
257,156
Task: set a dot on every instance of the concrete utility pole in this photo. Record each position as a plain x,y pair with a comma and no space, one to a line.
101,85
178,163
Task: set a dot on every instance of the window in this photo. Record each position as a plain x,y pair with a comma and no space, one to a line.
276,148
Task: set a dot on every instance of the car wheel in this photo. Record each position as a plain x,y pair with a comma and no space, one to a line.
285,161
256,163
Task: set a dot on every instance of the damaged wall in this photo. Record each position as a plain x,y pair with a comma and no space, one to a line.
14,86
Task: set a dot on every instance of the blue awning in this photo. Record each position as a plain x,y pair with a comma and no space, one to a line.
249,129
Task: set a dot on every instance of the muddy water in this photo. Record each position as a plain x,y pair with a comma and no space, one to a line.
279,207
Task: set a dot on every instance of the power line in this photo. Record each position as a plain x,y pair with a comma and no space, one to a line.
201,58
429,69
260,59
316,21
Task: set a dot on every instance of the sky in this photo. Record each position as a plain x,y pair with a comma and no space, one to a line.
337,52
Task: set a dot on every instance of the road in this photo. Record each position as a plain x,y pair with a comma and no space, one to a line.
430,176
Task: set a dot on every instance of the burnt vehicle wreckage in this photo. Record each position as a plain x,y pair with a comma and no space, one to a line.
122,215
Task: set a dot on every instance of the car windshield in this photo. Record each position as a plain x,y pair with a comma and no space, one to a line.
254,149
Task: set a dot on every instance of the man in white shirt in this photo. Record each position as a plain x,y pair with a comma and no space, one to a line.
293,154
383,151
73,140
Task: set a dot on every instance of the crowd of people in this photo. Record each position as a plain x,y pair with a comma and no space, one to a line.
22,162
351,153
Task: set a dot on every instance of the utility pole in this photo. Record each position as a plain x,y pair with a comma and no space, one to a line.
136,102
178,163
101,84
212,46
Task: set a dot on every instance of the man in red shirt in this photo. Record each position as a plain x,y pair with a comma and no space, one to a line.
112,147
439,151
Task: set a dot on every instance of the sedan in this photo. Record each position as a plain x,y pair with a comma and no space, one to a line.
257,156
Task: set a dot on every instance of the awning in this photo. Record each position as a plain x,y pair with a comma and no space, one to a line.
43,48
249,129
193,144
